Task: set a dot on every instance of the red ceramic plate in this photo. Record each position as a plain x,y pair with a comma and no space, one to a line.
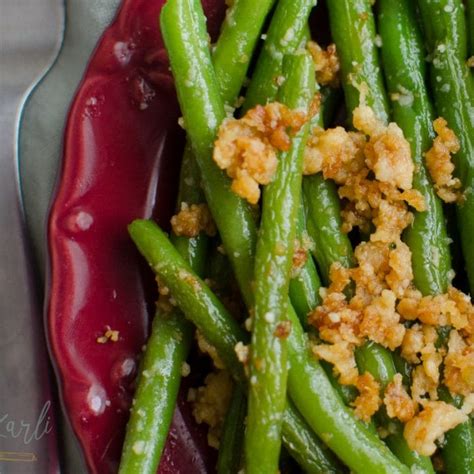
121,156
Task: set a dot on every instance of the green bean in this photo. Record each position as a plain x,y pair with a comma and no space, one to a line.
194,296
232,439
404,66
235,45
186,44
303,445
378,361
324,225
288,25
203,112
273,261
375,359
452,83
323,217
353,29
215,323
158,385
304,286
168,346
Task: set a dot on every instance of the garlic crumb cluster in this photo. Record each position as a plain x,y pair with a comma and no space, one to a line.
326,62
192,219
376,300
439,164
247,147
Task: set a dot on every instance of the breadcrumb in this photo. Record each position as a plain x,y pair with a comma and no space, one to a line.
368,401
459,366
439,164
247,148
326,63
430,424
210,404
193,219
209,349
398,402
110,335
341,356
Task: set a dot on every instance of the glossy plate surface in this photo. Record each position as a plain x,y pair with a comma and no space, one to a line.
121,154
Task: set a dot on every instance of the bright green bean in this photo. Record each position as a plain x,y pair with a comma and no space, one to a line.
273,261
305,285
288,25
404,66
203,112
353,29
324,225
158,385
453,83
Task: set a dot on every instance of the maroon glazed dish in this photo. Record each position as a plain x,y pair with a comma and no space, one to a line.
122,149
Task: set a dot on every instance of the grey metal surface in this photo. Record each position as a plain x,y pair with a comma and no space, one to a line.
29,32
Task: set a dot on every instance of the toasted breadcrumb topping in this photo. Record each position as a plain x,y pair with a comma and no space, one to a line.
368,401
430,424
193,219
209,349
397,401
110,335
439,164
247,148
326,62
210,403
459,365
376,300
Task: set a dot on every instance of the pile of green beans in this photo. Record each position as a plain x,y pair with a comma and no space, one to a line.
285,395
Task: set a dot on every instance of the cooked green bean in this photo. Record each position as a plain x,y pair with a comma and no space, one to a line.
273,260
305,285
404,66
303,445
458,452
236,43
203,112
158,385
353,29
452,82
288,25
324,225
